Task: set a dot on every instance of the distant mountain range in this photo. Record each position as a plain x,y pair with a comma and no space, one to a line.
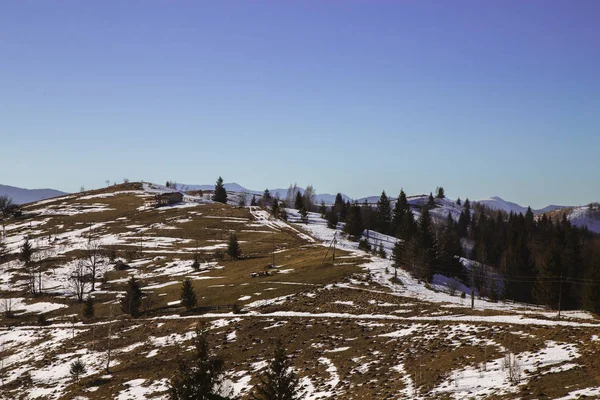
23,196
497,203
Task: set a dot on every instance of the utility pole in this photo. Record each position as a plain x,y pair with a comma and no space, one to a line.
472,288
560,294
333,258
329,248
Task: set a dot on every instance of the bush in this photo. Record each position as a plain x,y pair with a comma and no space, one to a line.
364,245
42,321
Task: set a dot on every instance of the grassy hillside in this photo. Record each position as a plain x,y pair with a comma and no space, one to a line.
350,330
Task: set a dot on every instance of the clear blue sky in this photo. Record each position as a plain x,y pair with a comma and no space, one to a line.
485,98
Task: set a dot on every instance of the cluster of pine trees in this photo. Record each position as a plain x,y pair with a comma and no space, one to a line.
516,256
541,260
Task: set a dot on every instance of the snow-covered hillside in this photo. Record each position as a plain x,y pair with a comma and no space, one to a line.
352,328
585,216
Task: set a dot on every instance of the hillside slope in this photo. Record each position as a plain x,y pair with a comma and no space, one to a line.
352,331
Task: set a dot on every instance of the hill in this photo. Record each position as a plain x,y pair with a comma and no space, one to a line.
23,196
497,203
354,327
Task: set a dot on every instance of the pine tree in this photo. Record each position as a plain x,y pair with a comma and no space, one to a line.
409,226
458,201
323,209
462,225
368,216
440,194
546,287
383,213
278,382
131,302
233,247
199,378
304,214
275,208
188,295
381,251
253,201
220,194
299,202
398,256
266,198
339,205
354,224
590,298
430,201
196,263
77,369
26,252
400,210
423,252
467,210
332,219
88,308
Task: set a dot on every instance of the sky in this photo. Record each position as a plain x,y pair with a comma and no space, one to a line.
483,98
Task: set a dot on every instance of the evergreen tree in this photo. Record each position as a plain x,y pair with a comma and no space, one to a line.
88,308
440,194
430,201
590,297
354,224
220,194
398,256
131,302
299,202
458,201
304,214
409,226
339,205
26,252
546,287
529,216
278,382
383,213
467,210
400,210
323,209
381,251
462,225
275,208
332,219
423,252
253,201
199,378
77,369
196,263
233,247
267,199
368,216
188,295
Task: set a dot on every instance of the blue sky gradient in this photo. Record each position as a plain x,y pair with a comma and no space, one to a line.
484,98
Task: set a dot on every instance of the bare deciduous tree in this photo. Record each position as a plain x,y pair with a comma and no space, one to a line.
78,281
93,253
7,207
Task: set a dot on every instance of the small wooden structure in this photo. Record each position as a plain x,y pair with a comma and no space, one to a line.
165,199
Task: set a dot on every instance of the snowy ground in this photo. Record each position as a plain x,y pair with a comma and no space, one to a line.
361,337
